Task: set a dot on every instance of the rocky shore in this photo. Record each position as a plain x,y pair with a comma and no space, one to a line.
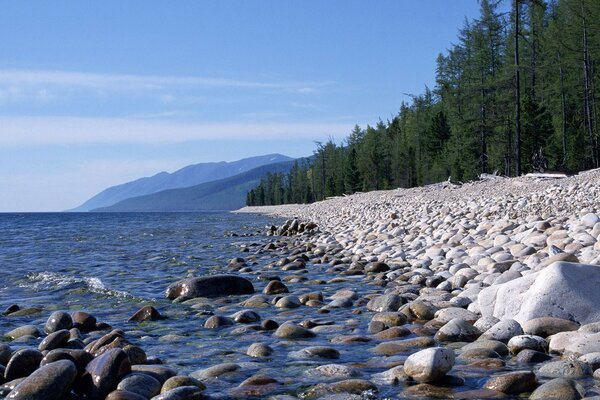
481,290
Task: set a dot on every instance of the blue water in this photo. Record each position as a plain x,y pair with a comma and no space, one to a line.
104,261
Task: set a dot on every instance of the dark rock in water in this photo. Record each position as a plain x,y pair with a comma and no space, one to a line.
11,309
79,357
5,353
181,393
146,313
217,321
513,382
103,373
57,321
141,384
210,286
55,340
83,321
111,340
275,287
22,363
178,381
158,372
559,388
51,382
529,356
124,395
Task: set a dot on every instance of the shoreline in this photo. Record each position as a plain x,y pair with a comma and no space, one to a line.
484,290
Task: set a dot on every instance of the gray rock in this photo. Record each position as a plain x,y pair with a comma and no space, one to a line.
457,330
210,286
215,371
523,342
177,381
563,290
387,302
563,389
571,369
429,365
181,393
159,372
512,382
55,340
503,331
50,382
259,350
290,330
546,326
25,330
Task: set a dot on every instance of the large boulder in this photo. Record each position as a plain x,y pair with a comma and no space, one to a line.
209,286
562,290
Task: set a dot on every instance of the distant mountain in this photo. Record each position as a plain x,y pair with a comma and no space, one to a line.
185,177
224,194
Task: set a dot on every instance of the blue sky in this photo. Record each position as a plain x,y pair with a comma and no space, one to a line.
94,94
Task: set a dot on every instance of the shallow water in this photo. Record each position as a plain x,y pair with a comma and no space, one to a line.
112,264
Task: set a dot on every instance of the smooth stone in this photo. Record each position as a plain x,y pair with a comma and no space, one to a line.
5,353
57,321
494,345
390,319
146,313
50,382
141,384
562,290
275,287
218,321
385,303
347,386
429,365
177,381
246,316
55,340
288,302
317,351
572,369
259,350
338,371
124,395
290,330
181,393
562,389
503,331
103,373
523,342
215,371
457,330
485,323
512,382
83,321
403,346
531,357
547,326
592,359
135,354
445,315
159,372
478,353
25,330
210,286
81,358
22,363
393,333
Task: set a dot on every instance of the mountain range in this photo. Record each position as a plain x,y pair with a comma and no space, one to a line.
205,186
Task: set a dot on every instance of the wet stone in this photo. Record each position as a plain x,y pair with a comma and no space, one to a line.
560,388
259,350
177,381
124,395
140,383
58,320
103,373
159,372
215,371
50,382
181,393
22,363
83,321
513,382
429,365
217,321
528,356
55,340
292,331
572,369
146,313
25,330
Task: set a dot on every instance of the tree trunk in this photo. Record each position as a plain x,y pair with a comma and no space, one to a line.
587,95
517,92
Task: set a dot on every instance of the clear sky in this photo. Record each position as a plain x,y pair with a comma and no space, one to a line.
93,94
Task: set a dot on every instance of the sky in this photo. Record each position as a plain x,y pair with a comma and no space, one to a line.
94,94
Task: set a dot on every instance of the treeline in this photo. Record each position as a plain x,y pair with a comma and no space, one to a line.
518,91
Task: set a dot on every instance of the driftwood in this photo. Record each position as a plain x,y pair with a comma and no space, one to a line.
545,176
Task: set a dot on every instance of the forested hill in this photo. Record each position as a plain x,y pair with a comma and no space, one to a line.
515,85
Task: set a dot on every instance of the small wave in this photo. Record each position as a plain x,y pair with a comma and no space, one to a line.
54,280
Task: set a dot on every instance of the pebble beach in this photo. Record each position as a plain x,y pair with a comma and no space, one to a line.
486,289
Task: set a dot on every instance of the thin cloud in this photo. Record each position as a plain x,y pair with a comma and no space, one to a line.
144,82
24,131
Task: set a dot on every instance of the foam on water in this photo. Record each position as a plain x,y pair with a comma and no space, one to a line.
55,280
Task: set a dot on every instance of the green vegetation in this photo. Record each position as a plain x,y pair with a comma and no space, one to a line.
516,85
